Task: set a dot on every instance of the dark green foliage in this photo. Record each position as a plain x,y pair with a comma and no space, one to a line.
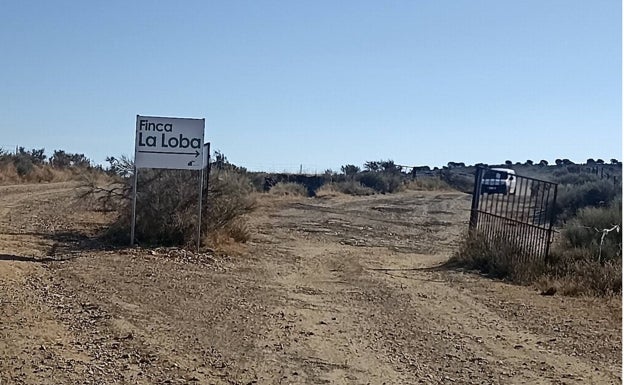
349,169
25,161
62,159
380,182
23,165
372,166
572,197
36,156
462,182
353,188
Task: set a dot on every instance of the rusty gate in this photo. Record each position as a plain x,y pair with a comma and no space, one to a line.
515,209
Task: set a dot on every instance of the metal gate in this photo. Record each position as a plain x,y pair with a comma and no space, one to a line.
515,209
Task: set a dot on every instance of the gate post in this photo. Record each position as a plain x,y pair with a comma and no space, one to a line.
476,195
551,224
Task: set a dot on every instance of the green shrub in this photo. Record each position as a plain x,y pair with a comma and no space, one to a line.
381,182
571,198
459,181
23,164
575,179
353,188
589,231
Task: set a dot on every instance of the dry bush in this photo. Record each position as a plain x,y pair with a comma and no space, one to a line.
498,256
428,184
229,200
586,260
575,273
167,207
8,173
289,189
350,187
328,190
101,192
38,173
582,262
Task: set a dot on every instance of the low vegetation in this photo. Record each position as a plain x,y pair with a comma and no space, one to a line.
33,166
349,187
586,255
167,205
289,189
585,258
429,184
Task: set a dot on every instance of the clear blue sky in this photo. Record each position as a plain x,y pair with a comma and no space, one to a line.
319,83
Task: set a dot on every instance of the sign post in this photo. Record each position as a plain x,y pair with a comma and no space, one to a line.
171,143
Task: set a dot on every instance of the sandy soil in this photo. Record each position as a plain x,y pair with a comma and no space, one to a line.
341,290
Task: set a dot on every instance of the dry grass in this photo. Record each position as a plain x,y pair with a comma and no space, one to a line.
428,184
350,187
328,190
289,189
569,271
497,256
41,174
229,240
577,271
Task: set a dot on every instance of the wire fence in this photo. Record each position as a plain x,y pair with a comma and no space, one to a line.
9,148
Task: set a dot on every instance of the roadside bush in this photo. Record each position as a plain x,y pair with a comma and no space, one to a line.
289,188
498,256
258,180
350,187
428,184
571,198
458,181
581,262
23,165
575,179
588,258
382,182
228,201
166,210
589,230
577,272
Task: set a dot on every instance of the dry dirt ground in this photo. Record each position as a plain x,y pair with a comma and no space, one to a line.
341,290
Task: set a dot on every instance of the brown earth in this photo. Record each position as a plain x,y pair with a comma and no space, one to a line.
341,290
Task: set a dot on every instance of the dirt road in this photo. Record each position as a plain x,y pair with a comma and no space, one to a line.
342,290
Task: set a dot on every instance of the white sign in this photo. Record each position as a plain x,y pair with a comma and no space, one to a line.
174,143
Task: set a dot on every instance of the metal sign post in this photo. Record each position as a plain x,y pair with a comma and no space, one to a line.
134,199
205,160
171,143
199,214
